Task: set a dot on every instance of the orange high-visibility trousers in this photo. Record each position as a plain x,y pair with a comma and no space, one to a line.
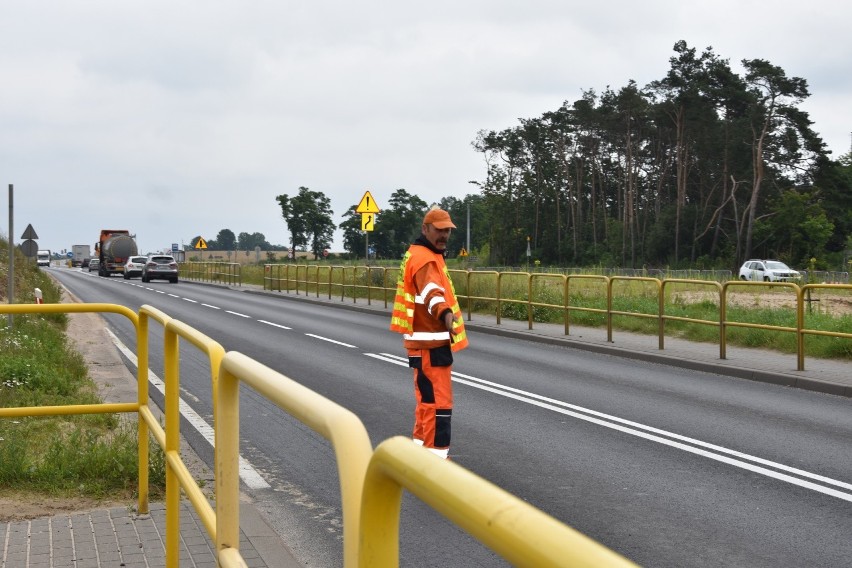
433,393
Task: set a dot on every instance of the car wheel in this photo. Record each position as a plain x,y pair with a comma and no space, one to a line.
742,277
766,279
144,278
173,280
126,277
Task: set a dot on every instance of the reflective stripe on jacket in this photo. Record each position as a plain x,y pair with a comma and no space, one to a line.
417,315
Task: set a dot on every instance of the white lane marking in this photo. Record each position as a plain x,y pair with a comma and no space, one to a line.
173,295
248,473
329,340
649,433
190,300
274,324
236,314
159,291
209,306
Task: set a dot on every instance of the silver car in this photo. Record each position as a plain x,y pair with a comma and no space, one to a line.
160,267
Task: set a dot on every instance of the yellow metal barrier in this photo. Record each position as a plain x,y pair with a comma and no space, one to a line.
608,312
664,318
212,271
569,308
338,425
177,474
563,281
514,529
520,533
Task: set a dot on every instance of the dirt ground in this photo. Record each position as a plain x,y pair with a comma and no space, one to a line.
87,331
821,301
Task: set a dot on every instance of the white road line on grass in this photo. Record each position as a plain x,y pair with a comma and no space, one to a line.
248,473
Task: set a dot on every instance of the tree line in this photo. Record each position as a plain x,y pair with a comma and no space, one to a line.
703,168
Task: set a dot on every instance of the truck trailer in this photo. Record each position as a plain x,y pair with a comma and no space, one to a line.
113,249
80,255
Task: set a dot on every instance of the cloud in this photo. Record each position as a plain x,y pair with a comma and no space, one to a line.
196,115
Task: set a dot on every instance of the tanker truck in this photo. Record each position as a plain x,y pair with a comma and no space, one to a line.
112,250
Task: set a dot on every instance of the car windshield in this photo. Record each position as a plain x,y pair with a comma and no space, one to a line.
775,265
137,259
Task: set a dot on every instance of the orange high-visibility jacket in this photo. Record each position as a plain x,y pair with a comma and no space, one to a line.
421,299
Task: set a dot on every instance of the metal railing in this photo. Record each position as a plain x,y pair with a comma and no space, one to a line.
362,283
371,481
219,272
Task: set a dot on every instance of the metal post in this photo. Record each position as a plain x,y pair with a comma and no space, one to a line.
11,286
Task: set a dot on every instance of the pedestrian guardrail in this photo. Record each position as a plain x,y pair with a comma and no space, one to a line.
379,282
371,481
229,273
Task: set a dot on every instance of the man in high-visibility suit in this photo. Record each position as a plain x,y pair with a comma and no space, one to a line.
426,312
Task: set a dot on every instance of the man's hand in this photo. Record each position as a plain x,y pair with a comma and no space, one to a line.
448,321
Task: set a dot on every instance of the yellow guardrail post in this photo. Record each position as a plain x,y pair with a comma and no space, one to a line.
664,318
517,531
338,425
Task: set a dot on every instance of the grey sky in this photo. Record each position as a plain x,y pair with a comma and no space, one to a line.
177,119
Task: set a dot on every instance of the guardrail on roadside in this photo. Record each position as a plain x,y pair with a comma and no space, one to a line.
379,283
371,481
229,273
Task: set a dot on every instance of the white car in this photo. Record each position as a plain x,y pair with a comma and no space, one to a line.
133,267
768,271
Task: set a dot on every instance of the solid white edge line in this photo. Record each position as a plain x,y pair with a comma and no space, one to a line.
560,407
274,324
248,473
330,340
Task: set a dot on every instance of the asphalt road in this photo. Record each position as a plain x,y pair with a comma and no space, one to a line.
667,466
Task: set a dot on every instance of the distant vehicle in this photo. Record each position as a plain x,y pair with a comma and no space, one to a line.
85,263
756,270
80,255
133,267
113,249
43,258
94,263
160,267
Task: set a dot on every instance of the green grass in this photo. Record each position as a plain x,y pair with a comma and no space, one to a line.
89,455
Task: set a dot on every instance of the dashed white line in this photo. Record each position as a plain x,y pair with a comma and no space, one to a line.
712,451
209,306
274,324
248,473
329,340
173,295
236,314
190,300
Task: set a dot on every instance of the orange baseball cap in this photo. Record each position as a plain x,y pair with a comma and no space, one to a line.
439,219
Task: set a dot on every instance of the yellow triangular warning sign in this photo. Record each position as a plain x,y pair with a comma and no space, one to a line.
201,244
367,204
